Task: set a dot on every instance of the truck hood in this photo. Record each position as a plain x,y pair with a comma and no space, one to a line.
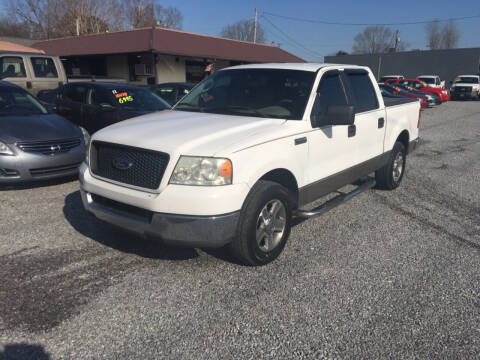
187,133
475,86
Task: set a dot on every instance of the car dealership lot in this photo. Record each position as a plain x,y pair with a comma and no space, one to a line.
387,274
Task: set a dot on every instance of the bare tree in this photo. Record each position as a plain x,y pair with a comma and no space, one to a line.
53,18
434,35
243,30
373,40
450,35
445,37
169,17
141,13
14,29
40,15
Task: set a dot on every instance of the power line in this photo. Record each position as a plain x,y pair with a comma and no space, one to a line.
291,40
365,24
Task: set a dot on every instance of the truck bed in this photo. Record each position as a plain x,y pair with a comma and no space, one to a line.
388,101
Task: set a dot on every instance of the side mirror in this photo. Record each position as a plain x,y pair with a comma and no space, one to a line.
335,115
107,107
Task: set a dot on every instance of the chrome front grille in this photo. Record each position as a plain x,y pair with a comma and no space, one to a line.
50,147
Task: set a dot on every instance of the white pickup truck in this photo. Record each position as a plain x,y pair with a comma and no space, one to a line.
247,150
465,87
432,81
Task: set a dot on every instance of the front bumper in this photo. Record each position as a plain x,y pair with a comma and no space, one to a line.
30,166
464,95
194,231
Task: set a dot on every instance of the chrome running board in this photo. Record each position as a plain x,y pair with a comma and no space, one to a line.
332,203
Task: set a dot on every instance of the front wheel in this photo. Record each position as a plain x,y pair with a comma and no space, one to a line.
264,225
390,176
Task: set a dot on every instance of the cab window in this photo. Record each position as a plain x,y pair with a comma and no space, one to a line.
331,91
97,96
76,93
363,91
44,67
12,66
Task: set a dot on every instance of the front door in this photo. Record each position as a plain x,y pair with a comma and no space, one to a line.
332,148
13,70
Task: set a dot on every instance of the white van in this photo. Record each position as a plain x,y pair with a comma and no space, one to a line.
32,71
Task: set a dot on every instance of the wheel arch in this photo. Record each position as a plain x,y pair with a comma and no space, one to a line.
404,138
285,178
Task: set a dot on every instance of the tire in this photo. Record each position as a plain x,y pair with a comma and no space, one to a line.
257,241
390,176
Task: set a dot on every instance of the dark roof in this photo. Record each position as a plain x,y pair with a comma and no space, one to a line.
184,84
165,41
107,85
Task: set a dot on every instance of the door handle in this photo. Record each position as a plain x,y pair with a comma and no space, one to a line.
29,84
301,140
381,123
352,130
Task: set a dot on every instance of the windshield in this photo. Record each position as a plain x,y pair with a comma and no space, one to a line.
467,80
17,102
138,99
427,80
269,93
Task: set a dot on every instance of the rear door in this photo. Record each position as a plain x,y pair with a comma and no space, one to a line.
45,73
370,119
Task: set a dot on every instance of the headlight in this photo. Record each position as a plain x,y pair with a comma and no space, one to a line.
86,136
5,150
192,170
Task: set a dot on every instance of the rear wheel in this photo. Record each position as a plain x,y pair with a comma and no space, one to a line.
390,176
264,225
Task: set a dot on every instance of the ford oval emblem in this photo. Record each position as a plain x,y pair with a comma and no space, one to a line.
122,164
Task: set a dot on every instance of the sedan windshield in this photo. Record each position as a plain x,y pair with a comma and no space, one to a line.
138,99
467,80
17,102
269,93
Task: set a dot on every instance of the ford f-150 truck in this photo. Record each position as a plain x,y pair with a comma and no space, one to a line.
466,87
247,150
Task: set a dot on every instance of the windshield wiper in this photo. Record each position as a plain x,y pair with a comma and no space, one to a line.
233,107
188,107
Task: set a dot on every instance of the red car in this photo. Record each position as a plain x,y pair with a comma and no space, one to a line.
398,91
421,86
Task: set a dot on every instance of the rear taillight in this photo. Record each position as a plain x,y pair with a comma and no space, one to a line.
419,117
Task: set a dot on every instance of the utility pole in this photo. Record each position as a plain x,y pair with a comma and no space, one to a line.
77,23
397,41
255,27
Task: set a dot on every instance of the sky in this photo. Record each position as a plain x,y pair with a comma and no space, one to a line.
208,17
311,41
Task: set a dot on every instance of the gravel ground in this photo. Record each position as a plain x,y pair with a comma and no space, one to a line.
387,275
